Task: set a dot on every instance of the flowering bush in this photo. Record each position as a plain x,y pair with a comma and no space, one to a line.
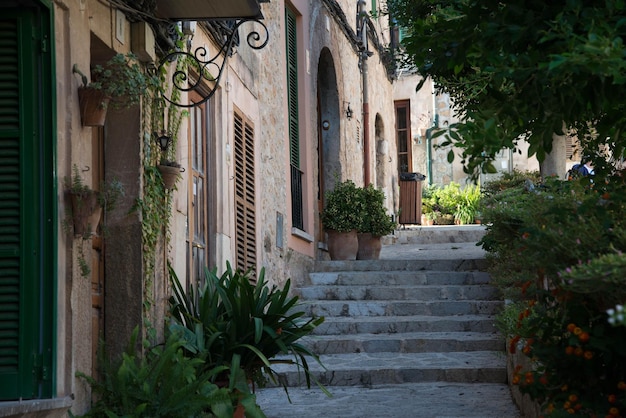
556,252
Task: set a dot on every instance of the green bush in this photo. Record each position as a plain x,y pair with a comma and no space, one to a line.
233,317
374,218
164,382
341,207
451,203
556,250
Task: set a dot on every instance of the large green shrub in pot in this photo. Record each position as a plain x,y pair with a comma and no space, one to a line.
231,317
341,207
374,218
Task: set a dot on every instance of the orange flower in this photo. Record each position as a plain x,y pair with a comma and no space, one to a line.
516,379
614,412
571,327
279,331
577,331
584,337
569,350
573,397
621,385
612,398
588,355
578,351
606,196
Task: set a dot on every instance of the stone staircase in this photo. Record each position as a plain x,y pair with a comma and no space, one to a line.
409,335
392,322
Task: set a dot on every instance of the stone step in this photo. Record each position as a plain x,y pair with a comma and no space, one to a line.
365,369
400,292
439,234
402,324
478,264
426,277
329,308
407,400
410,342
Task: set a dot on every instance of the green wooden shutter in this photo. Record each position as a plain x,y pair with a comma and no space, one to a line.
26,189
292,87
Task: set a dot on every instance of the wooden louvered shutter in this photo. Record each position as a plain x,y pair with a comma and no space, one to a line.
25,204
292,88
245,205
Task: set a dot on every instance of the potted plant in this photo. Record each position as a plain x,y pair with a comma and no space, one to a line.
341,218
119,84
428,218
87,204
375,222
170,172
231,318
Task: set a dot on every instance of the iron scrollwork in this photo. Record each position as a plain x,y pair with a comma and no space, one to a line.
205,67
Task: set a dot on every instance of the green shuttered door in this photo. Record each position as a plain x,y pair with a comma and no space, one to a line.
25,211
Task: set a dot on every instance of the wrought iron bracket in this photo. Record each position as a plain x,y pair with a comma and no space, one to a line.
209,69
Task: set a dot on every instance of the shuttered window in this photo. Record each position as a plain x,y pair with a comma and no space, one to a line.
297,213
292,87
245,201
26,190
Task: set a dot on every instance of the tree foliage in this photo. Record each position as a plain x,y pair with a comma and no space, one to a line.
522,70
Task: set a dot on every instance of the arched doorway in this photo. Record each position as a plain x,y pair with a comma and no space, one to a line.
329,131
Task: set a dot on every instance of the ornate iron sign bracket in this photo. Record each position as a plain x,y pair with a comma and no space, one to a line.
209,69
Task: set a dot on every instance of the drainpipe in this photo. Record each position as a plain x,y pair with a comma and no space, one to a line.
361,33
429,149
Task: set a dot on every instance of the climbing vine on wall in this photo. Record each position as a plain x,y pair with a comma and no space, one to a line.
155,205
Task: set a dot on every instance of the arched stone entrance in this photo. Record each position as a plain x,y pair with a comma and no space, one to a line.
328,123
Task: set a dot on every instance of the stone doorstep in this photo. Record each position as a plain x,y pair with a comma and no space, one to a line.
38,408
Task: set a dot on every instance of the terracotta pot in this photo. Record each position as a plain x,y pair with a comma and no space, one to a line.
93,106
83,207
342,245
169,174
369,246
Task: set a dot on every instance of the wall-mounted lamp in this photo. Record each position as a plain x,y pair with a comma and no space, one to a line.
163,140
349,111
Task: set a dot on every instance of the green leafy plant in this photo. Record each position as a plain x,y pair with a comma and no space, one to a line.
165,383
120,79
556,250
341,207
469,202
85,201
230,316
374,218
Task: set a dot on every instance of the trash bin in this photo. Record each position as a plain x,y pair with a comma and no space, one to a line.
411,198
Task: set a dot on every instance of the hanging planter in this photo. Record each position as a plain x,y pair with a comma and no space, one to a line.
93,106
119,83
84,204
170,173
